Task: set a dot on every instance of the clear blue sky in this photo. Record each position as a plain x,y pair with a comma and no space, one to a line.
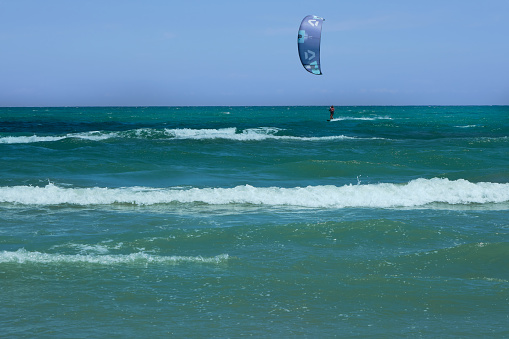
233,52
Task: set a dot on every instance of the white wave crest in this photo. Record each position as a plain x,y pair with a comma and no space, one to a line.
22,256
362,118
27,139
93,135
223,133
415,193
250,134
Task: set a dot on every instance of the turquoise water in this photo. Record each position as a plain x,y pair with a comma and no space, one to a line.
261,221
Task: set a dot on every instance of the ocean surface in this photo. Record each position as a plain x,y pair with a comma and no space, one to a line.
124,222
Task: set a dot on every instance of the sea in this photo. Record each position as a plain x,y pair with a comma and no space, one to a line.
267,222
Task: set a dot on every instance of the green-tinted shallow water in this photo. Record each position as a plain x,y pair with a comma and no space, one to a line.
261,221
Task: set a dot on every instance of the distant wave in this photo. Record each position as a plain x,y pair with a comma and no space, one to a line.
23,256
95,135
250,134
361,118
419,192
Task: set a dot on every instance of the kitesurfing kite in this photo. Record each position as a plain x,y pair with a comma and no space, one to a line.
309,43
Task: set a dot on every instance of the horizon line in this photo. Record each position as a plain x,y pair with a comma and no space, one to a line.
139,106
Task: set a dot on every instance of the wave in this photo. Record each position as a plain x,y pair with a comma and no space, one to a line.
362,118
419,192
250,134
23,256
468,126
93,135
232,133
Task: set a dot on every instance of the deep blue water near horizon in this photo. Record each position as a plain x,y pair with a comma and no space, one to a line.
254,221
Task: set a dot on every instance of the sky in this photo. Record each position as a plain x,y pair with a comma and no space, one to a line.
244,53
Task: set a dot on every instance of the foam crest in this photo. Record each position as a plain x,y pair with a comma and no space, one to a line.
222,133
419,192
93,135
250,134
28,139
23,256
362,118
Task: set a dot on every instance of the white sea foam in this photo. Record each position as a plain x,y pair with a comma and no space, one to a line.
419,192
27,139
23,256
86,248
232,133
362,118
250,134
93,135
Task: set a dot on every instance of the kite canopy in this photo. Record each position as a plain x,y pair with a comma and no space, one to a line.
309,43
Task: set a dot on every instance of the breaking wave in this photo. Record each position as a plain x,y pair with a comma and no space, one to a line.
94,136
419,192
232,133
362,118
23,256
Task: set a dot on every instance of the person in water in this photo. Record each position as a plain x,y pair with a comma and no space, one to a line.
331,110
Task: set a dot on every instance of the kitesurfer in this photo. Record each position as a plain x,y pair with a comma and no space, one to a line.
331,110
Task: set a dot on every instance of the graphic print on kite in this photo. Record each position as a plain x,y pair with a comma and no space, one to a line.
310,32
